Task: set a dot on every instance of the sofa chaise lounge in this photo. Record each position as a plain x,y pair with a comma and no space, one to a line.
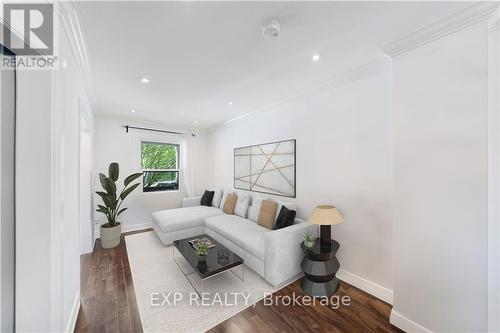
273,254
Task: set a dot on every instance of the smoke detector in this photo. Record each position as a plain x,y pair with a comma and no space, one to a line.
271,30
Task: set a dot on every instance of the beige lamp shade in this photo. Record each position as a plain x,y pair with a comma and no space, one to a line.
325,215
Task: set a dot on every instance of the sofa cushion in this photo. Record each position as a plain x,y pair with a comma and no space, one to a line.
230,203
247,234
217,198
223,199
206,199
183,218
285,218
242,205
267,214
288,204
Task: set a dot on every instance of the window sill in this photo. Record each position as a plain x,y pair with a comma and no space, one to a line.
162,192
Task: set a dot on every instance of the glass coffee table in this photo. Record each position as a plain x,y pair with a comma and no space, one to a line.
219,259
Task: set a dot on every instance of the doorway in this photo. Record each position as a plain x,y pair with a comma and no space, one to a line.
86,211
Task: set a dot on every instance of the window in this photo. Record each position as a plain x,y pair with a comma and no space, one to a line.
160,166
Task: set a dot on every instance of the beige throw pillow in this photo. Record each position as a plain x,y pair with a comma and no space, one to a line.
267,214
230,203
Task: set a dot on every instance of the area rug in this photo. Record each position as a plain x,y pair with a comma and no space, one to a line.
168,302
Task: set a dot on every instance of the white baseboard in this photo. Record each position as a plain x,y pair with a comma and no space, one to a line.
97,233
407,325
70,327
125,228
366,285
289,281
128,228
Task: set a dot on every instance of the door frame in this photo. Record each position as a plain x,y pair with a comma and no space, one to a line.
85,126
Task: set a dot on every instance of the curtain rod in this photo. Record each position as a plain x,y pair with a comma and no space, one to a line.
127,127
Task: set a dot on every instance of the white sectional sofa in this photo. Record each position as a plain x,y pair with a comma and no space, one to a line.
273,254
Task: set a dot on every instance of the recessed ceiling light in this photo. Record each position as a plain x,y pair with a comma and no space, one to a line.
133,111
144,80
317,57
230,102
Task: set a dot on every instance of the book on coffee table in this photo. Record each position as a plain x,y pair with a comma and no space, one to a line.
207,241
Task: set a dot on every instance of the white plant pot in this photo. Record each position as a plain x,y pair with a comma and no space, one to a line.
110,237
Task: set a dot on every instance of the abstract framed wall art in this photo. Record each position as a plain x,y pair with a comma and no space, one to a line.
266,168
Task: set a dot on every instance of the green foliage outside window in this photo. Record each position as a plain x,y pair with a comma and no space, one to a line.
161,157
158,156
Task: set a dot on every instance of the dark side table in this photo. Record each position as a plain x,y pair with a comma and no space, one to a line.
320,266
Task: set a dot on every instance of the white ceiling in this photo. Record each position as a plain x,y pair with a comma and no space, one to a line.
201,55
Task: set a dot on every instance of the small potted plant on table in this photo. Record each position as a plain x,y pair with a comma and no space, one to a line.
202,251
309,240
111,231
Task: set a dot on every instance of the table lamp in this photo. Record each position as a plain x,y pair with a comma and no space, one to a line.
326,216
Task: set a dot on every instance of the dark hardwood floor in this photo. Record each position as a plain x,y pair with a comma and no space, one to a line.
107,293
109,305
364,314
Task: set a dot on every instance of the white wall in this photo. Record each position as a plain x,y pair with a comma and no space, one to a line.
343,158
494,174
47,207
33,203
69,93
440,202
113,144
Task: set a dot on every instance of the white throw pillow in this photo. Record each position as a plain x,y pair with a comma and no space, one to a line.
253,215
242,205
224,196
217,198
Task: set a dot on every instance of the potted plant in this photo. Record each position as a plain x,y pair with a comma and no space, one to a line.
201,251
309,240
111,231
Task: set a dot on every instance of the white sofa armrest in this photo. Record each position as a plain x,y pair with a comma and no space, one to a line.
190,202
283,254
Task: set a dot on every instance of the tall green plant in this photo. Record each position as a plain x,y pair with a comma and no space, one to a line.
113,202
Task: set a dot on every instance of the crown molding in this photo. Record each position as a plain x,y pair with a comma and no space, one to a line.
68,13
495,25
495,20
478,12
